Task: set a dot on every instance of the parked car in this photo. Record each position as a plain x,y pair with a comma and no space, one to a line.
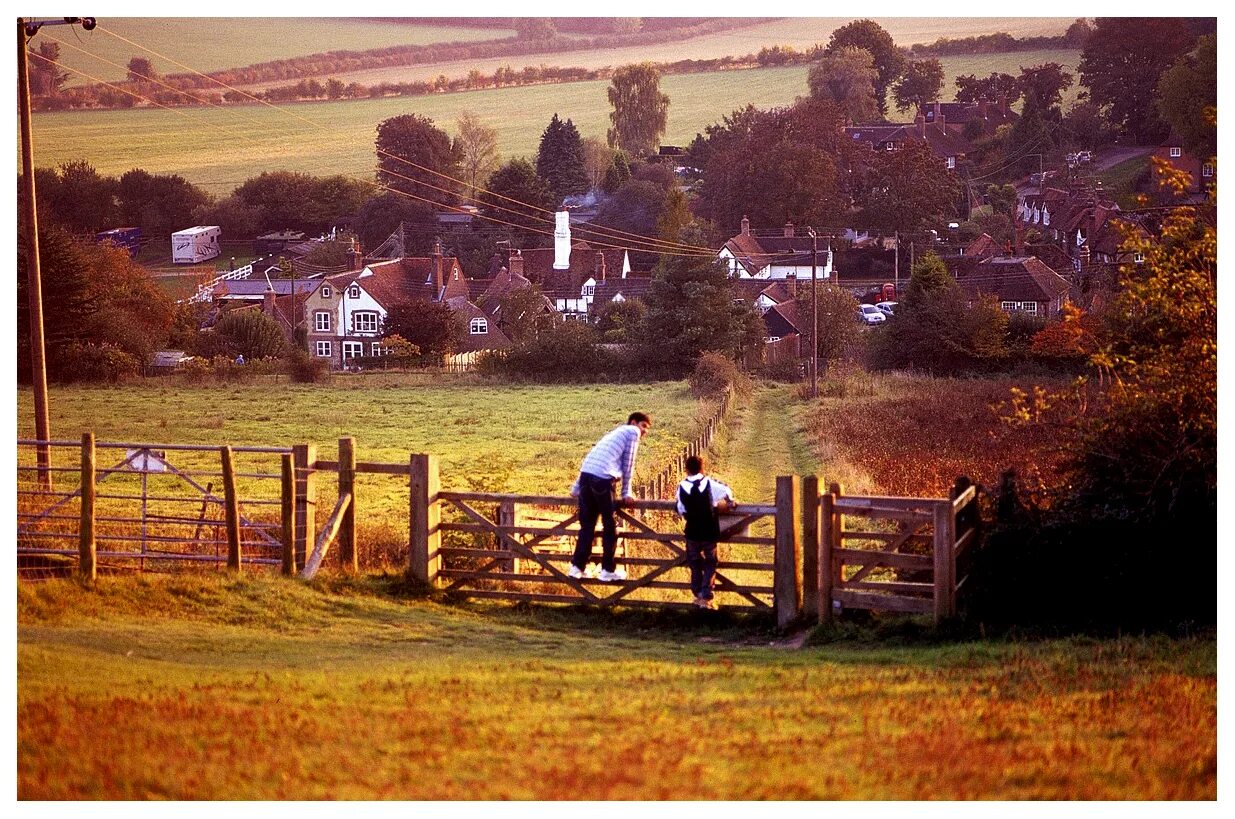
870,314
888,308
1084,156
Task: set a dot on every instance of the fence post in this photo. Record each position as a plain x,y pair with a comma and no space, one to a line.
87,565
424,560
305,457
810,546
231,507
830,540
347,484
506,517
289,514
945,589
787,577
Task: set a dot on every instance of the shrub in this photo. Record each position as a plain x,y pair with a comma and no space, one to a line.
714,374
95,362
305,369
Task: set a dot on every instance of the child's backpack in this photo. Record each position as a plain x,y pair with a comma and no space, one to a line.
702,520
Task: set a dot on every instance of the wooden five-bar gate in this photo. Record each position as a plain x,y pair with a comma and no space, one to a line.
808,555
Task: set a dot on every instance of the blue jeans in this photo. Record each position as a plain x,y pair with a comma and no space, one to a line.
596,500
701,557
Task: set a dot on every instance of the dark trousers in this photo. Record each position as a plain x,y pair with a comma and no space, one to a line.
596,500
701,557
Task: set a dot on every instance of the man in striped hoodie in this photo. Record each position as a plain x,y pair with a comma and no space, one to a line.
611,460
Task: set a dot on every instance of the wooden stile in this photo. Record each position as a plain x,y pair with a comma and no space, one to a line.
787,578
424,517
88,562
288,497
347,486
231,507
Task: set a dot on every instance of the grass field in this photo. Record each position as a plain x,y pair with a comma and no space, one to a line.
259,688
219,148
211,44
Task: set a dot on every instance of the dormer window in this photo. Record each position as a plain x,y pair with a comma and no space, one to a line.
1138,257
479,327
325,291
1207,170
1176,152
589,289
353,292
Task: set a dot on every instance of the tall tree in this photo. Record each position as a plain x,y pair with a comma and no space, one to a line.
640,111
1043,85
159,205
691,310
430,325
918,85
909,189
1123,59
418,158
560,160
618,172
476,146
140,70
1028,141
889,60
597,160
517,180
995,87
84,201
847,78
46,76
381,216
1187,98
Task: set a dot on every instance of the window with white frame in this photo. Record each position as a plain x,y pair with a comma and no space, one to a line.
353,349
589,289
770,339
1030,307
1007,306
321,321
951,163
1175,152
353,292
1207,170
325,291
378,349
479,327
1138,257
323,349
364,322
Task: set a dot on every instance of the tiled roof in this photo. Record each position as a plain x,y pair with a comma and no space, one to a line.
538,266
631,287
1016,278
494,339
982,247
256,288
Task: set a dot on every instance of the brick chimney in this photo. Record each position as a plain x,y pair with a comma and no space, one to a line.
745,226
268,301
599,272
792,278
921,123
788,230
437,267
1020,238
354,257
937,113
516,264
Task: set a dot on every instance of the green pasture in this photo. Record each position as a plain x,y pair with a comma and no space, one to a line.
208,44
219,148
214,687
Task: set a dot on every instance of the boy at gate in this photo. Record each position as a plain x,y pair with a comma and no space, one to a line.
701,499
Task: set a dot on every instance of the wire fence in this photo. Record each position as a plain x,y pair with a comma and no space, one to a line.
154,507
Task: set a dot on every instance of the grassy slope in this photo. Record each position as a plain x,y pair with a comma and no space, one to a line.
213,44
337,137
259,688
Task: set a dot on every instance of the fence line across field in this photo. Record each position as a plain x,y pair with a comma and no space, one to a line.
827,551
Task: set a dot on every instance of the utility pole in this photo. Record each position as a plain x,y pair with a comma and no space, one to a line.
814,313
896,261
34,280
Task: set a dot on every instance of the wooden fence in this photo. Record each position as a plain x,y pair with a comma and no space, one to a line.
807,556
665,481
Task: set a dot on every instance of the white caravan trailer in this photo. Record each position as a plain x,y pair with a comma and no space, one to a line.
196,244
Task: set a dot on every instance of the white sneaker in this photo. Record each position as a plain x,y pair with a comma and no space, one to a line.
574,571
609,577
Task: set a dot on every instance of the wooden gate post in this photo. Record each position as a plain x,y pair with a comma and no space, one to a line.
231,507
424,517
347,484
506,517
945,538
87,565
288,496
304,457
787,576
810,546
829,569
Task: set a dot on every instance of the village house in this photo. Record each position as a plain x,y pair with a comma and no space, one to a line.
783,255
950,146
1020,284
1201,171
969,119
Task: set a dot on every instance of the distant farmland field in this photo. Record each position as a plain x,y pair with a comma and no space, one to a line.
218,148
211,44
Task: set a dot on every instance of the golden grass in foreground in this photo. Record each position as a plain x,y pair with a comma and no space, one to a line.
209,688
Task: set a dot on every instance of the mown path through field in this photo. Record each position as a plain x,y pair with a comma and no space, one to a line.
764,438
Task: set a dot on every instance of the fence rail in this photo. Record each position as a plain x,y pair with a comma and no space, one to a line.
810,553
